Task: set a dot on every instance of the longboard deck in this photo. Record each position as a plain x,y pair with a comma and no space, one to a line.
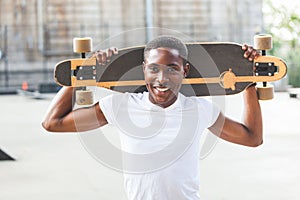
213,67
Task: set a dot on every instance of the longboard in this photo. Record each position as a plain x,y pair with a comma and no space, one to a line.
216,69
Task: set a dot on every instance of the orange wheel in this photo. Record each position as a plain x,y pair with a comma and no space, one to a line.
263,42
84,97
265,93
82,45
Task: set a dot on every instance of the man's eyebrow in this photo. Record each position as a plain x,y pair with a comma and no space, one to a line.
153,64
173,64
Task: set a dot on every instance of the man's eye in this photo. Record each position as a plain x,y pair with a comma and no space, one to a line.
154,69
170,69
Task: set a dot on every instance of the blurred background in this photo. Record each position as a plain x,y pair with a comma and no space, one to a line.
35,34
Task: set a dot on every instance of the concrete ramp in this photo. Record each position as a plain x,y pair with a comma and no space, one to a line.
5,156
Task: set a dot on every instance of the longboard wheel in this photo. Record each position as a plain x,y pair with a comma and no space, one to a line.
81,45
265,93
263,42
84,97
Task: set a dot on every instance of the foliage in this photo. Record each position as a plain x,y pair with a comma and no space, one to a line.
282,21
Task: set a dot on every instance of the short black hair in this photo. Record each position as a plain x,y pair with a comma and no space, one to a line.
167,42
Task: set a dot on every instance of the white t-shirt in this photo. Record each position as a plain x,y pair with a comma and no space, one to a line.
160,146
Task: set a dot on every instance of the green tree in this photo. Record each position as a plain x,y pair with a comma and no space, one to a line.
282,21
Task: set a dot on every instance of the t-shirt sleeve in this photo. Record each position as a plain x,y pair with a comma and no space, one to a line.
210,110
106,108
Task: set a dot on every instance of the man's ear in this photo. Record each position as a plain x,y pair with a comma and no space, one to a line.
186,69
144,65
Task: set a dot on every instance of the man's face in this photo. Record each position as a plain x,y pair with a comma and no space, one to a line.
164,71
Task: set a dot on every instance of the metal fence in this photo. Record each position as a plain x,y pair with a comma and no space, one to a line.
28,56
21,60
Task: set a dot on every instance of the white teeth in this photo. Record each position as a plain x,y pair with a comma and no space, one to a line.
162,89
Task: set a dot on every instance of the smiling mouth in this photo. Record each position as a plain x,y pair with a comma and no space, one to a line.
161,89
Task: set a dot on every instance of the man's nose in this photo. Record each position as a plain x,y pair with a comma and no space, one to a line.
162,77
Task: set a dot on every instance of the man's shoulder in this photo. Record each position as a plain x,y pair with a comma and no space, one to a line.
138,95
121,98
195,99
127,94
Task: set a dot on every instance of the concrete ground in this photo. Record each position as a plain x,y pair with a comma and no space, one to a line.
57,166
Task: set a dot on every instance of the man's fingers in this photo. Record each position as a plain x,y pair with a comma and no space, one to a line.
250,53
114,50
103,56
111,51
254,54
244,47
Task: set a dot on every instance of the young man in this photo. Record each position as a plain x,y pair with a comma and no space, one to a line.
160,129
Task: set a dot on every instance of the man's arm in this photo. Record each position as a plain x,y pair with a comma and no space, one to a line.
61,117
248,133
